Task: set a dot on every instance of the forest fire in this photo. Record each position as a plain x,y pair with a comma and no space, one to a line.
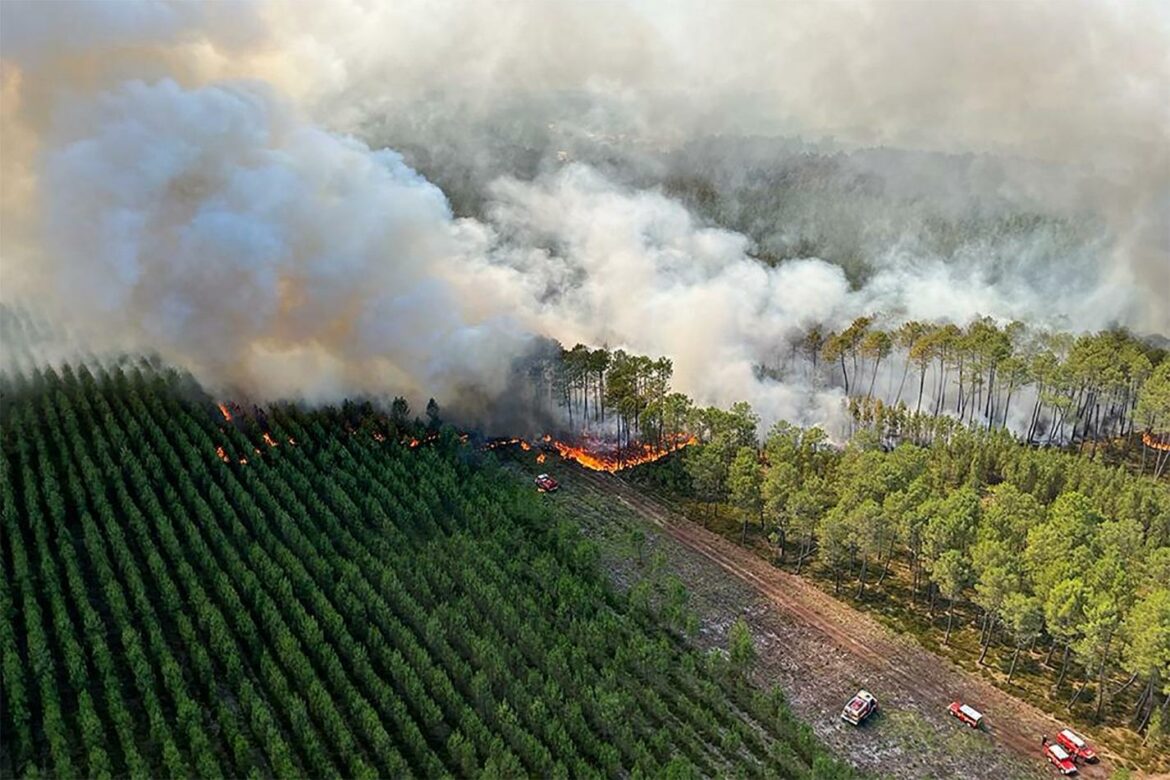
597,454
1156,441
617,458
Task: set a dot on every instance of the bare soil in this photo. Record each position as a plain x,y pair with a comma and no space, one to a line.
821,651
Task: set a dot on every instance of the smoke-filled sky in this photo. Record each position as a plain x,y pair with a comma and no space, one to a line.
313,200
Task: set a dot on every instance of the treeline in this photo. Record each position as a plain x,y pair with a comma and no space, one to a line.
325,601
1052,553
1048,388
601,389
1066,388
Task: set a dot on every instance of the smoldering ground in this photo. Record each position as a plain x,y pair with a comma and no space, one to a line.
320,201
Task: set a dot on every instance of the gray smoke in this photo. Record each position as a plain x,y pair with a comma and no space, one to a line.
215,184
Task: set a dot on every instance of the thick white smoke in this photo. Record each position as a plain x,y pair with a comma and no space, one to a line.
162,203
216,227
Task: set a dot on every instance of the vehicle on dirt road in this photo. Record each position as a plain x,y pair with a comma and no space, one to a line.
1059,758
859,708
966,713
1076,745
545,483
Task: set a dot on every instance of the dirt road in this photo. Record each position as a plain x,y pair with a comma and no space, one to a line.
900,672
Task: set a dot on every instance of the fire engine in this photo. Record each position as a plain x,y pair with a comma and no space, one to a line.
1059,758
1075,744
969,715
545,483
859,708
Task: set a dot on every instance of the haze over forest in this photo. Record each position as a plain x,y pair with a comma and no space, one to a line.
315,201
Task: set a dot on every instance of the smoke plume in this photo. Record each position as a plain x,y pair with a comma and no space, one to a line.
320,200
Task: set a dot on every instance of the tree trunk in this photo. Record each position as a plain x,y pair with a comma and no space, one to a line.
921,386
1140,712
1035,421
950,619
902,384
959,395
990,387
1101,680
886,566
1007,404
861,586
1127,683
1012,670
986,640
1063,667
1077,695
873,377
915,576
1051,650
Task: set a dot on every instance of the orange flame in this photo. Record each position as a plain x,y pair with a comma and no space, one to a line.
414,443
379,436
222,455
271,442
540,458
227,416
1159,441
616,460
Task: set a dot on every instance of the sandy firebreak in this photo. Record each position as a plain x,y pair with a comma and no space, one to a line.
820,652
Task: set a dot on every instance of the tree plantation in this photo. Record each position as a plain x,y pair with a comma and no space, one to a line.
323,602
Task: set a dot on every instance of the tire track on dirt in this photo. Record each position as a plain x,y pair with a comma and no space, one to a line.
930,680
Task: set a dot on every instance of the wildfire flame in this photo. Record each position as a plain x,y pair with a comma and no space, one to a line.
599,455
227,416
414,443
271,442
617,459
222,455
1156,441
379,436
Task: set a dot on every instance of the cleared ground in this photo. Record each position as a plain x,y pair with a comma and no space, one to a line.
821,651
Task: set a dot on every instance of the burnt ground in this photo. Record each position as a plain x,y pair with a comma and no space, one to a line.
817,649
